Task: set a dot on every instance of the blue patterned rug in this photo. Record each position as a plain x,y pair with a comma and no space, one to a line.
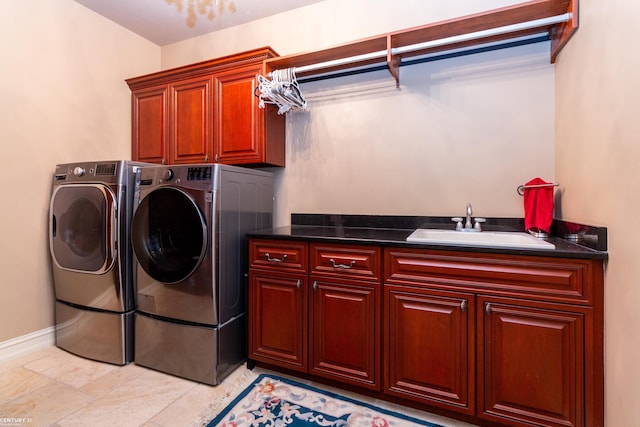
278,402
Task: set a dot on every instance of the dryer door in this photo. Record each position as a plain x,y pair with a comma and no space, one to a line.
169,235
83,227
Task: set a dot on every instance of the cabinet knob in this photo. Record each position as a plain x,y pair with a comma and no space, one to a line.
298,283
463,305
487,308
315,285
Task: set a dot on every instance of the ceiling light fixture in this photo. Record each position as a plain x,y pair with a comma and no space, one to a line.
203,7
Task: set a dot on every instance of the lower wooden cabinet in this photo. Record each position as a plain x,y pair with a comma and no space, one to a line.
429,347
531,362
497,338
278,320
327,322
537,324
345,331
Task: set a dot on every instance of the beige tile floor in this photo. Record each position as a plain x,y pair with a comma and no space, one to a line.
51,387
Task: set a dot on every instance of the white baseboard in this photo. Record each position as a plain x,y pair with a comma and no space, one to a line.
27,343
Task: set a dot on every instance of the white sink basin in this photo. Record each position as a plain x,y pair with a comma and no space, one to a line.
492,239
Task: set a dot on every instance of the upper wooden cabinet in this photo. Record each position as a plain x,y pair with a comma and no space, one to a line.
190,121
244,132
150,131
206,112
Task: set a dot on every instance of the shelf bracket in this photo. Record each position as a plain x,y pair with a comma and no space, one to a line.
393,62
561,33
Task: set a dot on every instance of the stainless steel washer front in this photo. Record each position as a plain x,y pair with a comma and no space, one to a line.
91,258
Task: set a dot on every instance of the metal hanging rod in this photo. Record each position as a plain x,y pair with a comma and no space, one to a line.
383,54
342,61
484,33
447,54
521,188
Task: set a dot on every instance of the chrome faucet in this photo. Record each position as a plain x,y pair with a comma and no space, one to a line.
470,224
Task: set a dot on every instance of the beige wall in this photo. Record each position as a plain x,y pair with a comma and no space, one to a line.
63,99
597,158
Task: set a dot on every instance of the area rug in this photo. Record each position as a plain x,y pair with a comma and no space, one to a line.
279,402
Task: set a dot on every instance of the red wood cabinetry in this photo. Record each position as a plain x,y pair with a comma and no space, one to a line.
502,338
150,138
537,324
328,319
345,313
278,303
429,346
206,112
531,361
246,133
190,120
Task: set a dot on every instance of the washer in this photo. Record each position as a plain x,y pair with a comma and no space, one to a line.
89,224
189,238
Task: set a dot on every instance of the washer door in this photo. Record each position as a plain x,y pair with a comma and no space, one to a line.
169,235
83,227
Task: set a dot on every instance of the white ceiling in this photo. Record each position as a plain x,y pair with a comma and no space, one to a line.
160,21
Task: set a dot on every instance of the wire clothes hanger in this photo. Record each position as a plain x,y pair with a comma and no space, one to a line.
282,90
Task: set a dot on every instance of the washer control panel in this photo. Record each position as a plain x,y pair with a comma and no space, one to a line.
202,173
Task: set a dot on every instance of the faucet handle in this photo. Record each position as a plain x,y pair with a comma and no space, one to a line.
458,221
478,221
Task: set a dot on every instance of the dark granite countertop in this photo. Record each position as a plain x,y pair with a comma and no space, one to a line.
570,240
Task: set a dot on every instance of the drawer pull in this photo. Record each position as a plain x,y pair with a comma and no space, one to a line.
284,257
463,305
333,263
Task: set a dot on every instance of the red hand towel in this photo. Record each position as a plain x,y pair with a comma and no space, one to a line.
538,206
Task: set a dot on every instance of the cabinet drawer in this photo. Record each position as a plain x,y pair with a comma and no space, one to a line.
361,262
554,279
279,255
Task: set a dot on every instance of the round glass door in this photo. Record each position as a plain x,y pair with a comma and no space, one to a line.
169,235
82,225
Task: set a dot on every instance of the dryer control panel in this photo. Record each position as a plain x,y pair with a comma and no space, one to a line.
201,173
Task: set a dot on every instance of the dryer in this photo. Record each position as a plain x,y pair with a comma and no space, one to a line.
89,221
191,251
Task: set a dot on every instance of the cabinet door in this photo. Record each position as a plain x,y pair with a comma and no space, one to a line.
191,120
240,135
530,362
345,331
150,125
278,319
429,347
